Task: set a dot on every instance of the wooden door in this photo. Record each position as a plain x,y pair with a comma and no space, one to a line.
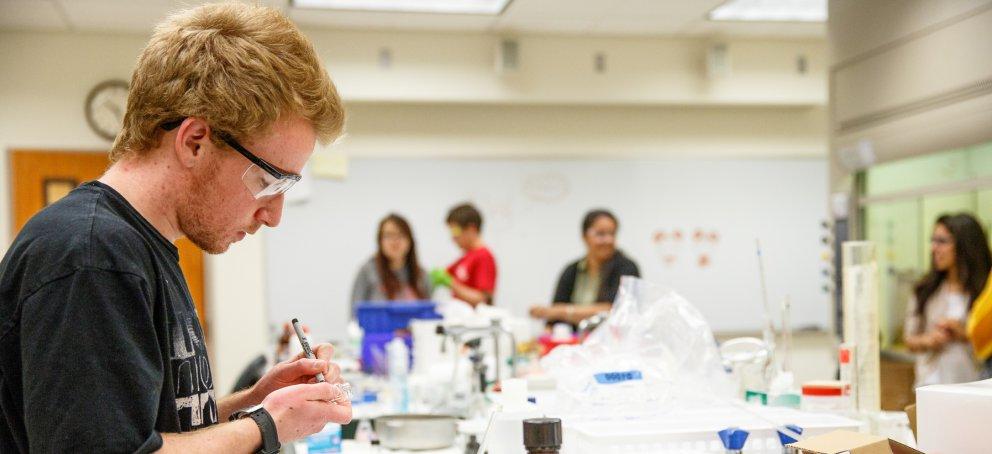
39,178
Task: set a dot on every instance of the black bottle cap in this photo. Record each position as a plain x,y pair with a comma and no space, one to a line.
542,433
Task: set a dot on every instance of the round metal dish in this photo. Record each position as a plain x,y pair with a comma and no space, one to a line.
416,432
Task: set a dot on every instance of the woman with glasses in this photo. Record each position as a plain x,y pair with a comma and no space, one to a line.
393,273
935,324
589,285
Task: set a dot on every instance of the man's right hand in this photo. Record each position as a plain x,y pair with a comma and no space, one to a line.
301,410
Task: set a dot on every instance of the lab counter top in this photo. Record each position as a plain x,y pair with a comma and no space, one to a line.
355,447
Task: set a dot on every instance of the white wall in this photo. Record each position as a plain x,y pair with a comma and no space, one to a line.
551,131
459,68
654,100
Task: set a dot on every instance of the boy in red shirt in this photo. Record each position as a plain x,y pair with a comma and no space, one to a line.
472,278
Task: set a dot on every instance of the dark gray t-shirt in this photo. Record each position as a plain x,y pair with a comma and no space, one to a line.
100,346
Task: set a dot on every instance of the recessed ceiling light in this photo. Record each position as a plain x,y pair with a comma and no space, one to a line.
490,7
771,11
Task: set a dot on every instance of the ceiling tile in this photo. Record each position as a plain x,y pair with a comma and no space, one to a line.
31,15
115,15
764,29
406,21
588,17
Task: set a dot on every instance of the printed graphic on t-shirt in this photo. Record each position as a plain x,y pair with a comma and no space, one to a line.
194,388
461,273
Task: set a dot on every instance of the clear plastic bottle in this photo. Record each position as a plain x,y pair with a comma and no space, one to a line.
363,432
861,307
355,335
398,366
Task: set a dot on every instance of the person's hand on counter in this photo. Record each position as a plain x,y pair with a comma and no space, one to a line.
541,312
568,313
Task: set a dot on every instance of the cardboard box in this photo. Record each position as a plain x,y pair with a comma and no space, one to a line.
954,419
911,414
845,442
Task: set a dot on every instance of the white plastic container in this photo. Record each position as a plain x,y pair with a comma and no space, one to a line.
826,397
954,418
695,431
507,433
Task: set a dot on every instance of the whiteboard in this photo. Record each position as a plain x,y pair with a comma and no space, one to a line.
532,212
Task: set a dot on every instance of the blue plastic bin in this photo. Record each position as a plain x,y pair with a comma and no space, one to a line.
380,321
387,317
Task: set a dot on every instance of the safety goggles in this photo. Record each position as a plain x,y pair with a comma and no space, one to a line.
261,178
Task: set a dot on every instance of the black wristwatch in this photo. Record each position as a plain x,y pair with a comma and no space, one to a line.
266,425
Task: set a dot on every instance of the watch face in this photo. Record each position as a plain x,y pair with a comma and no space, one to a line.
105,108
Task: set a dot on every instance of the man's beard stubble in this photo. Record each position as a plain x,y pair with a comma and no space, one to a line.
195,214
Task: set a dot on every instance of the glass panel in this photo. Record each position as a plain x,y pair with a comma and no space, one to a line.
929,170
895,229
933,169
985,210
980,160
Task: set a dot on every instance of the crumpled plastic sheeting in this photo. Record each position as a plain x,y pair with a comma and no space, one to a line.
654,354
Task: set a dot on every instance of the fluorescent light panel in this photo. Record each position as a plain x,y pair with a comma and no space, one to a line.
490,7
771,11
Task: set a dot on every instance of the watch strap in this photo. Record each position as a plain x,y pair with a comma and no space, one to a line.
270,436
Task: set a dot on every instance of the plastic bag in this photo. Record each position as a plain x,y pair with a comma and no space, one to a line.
655,353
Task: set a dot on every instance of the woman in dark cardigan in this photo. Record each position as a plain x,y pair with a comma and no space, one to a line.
589,285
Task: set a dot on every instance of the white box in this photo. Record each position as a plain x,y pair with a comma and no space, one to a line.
954,419
695,431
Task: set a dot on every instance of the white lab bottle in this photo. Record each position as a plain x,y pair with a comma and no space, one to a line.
398,366
355,334
364,433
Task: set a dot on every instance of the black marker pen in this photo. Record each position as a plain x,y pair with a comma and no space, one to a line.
306,346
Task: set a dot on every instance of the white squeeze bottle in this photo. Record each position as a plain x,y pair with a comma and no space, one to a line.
398,366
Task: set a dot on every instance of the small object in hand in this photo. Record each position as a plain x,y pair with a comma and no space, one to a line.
440,277
346,394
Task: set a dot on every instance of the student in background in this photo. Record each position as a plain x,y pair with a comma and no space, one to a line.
589,285
935,325
393,273
472,277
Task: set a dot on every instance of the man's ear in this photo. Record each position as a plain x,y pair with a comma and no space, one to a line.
192,136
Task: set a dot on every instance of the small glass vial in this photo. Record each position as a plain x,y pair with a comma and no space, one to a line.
542,435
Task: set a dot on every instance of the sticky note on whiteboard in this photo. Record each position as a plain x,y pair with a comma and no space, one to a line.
327,164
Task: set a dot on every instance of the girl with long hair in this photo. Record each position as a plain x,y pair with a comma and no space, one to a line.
393,273
934,330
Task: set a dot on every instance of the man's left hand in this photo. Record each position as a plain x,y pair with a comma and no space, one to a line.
298,370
